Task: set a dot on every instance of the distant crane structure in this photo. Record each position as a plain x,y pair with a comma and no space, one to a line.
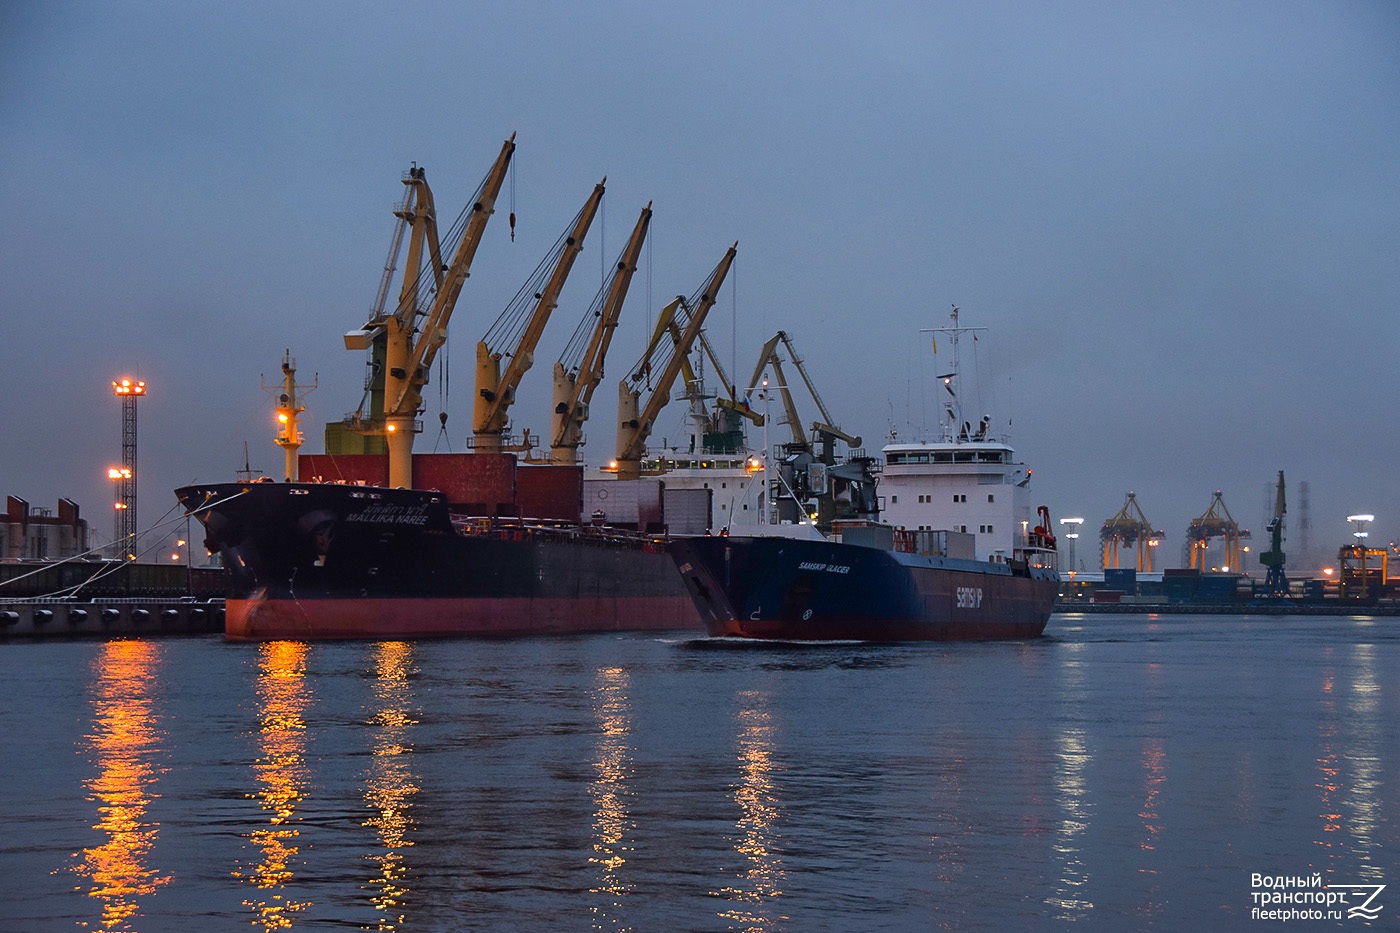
658,368
824,430
1276,581
1215,522
1129,527
720,431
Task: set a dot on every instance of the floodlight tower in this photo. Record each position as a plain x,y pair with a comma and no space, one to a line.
1072,535
128,390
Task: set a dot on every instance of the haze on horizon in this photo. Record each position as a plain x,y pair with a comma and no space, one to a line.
1179,222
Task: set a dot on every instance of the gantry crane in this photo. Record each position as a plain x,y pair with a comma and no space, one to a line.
1276,581
515,335
635,420
579,368
403,350
1215,522
1129,526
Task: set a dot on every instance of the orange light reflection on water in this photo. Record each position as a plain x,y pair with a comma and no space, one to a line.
755,897
391,785
124,743
282,776
613,825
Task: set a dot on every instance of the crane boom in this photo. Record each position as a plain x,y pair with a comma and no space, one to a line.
824,428
635,426
574,390
408,350
496,389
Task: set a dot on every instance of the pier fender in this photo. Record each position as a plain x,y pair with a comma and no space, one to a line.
140,615
43,615
9,617
111,615
170,615
77,615
196,613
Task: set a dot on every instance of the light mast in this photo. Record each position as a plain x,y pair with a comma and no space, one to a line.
289,407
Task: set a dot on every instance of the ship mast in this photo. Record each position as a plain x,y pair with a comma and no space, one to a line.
289,407
950,420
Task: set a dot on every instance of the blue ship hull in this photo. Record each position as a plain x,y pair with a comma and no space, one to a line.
780,588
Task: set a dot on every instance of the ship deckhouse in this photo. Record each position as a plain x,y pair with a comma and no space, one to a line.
967,480
975,487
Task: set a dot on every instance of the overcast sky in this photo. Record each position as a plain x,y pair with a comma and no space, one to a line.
1179,221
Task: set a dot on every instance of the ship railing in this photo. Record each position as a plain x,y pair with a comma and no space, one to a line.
543,529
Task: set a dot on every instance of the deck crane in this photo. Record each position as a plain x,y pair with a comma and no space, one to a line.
403,350
495,389
574,381
1276,581
823,429
1215,522
634,420
1129,526
720,431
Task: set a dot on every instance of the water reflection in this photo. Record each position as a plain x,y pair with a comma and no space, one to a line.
754,896
1362,799
1328,764
124,745
613,826
1072,761
1348,766
281,772
390,786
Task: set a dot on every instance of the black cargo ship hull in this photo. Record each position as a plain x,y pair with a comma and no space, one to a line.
780,588
315,560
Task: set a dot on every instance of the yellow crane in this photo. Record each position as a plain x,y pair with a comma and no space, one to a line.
634,420
1216,522
717,432
516,336
1129,526
430,290
576,378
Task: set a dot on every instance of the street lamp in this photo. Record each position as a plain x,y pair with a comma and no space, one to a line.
1361,534
1072,535
121,476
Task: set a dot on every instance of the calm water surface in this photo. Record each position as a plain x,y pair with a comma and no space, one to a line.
1121,773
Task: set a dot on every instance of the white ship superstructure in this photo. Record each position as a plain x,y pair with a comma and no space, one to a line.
974,487
968,480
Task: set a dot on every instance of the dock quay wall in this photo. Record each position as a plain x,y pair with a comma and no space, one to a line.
124,617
